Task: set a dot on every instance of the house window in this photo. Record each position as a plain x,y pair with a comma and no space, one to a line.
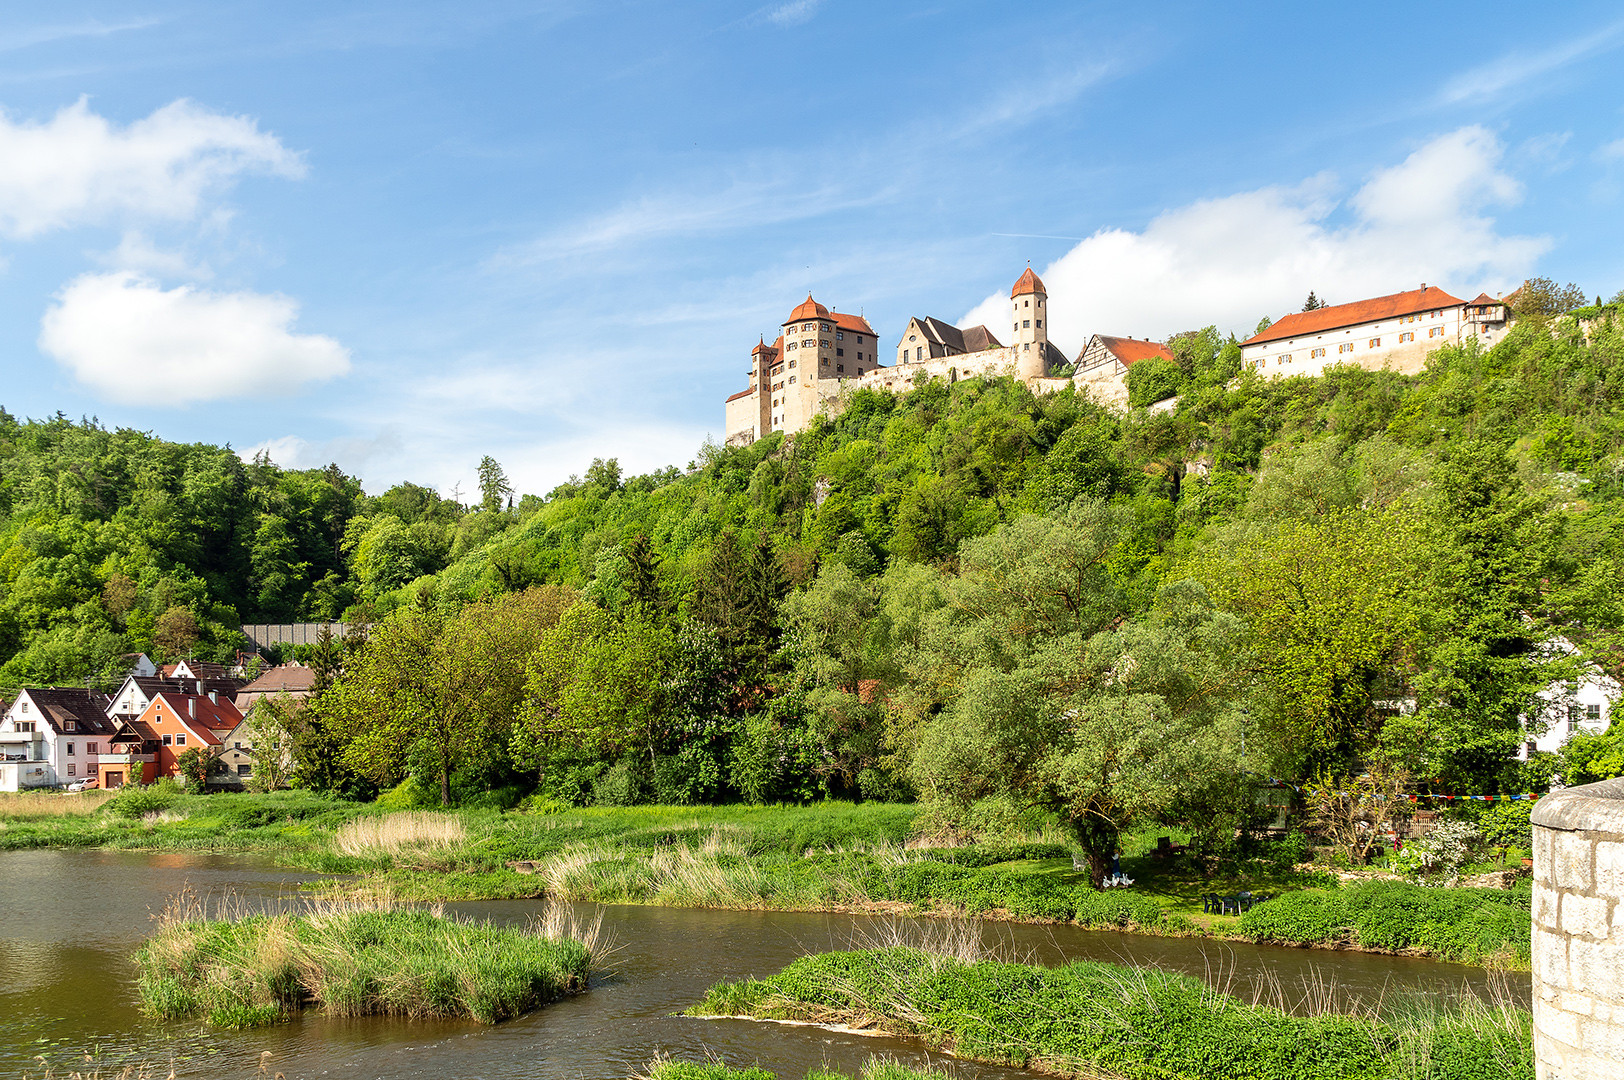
70,749
1285,358
70,769
71,725
806,326
180,739
245,770
809,343
826,328
90,748
236,746
1573,718
792,363
25,725
1593,714
1375,343
25,706
1530,748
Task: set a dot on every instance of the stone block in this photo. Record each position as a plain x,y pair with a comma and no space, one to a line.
1544,906
1586,916
1548,953
1610,868
1603,1040
1570,861
1556,1023
1596,968
1578,1004
1542,853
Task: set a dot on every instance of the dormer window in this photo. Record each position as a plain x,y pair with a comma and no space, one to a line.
71,725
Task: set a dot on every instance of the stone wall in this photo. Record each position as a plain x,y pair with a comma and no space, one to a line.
1578,934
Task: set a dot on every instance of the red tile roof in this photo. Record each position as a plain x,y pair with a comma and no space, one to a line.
1302,323
1484,298
811,309
1029,283
212,718
764,347
852,322
742,393
1131,350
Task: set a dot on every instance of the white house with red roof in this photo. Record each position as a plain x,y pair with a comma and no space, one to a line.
1396,332
1103,365
821,354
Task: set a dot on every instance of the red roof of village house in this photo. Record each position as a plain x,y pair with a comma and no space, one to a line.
211,719
1302,323
811,309
1029,283
1131,350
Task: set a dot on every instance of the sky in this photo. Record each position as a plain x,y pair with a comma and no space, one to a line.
402,236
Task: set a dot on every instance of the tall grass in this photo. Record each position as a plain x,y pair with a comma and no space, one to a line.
352,958
411,834
35,805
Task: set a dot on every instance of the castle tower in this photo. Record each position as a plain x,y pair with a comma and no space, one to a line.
1028,302
808,354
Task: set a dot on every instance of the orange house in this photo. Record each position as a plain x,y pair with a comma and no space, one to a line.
182,722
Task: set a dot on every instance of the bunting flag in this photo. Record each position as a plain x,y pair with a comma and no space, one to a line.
1529,796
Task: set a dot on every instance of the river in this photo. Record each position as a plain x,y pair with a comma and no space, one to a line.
70,919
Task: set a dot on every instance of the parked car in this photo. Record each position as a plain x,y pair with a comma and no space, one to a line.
87,784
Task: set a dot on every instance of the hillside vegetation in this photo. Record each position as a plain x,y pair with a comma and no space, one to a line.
1000,603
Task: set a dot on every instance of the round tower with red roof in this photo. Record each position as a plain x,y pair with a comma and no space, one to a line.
1028,302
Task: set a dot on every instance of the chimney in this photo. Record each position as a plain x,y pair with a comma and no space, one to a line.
1423,286
191,707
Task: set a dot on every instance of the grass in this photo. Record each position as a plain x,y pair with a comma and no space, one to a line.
351,958
1089,1018
874,1069
38,805
411,836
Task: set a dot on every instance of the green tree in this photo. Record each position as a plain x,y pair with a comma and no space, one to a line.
199,763
1153,379
493,485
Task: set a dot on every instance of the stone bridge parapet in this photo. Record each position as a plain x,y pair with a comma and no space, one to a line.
1578,933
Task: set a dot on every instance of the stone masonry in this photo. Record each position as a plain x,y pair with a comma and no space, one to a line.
1578,933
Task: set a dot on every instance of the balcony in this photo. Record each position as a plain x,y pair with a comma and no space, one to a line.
123,759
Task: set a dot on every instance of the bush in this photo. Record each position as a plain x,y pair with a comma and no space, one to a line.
407,795
137,801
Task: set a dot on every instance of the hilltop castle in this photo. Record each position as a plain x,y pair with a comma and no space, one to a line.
821,354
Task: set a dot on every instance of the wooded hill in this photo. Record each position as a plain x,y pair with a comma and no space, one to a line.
1342,565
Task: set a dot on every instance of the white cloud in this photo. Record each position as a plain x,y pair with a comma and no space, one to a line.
1612,151
136,342
79,168
44,35
1230,260
1523,65
793,13
137,252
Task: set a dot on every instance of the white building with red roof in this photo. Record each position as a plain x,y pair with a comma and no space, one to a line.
1397,332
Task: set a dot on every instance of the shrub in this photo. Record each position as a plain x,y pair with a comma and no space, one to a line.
137,801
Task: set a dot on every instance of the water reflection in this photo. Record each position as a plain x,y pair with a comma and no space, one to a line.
70,919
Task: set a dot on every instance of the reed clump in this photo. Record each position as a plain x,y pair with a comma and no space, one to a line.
1089,1018
354,958
404,836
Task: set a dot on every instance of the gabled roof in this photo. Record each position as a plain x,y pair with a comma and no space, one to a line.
1131,350
198,669
766,348
1028,283
57,706
941,333
1485,298
282,679
980,339
1301,323
210,719
742,394
810,309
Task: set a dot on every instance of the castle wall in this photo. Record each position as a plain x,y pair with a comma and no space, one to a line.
742,414
1578,933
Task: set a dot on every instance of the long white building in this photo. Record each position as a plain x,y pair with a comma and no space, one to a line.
1396,331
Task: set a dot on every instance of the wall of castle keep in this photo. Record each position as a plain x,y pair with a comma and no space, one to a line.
1578,933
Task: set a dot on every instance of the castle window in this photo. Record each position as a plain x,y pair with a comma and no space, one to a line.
806,326
826,328
919,353
1026,303
1040,324
1345,347
913,337
859,339
840,335
825,361
1040,301
859,372
789,346
1375,343
840,367
809,343
1408,335
824,342
792,363
1316,353
1026,323
840,352
1027,346
792,380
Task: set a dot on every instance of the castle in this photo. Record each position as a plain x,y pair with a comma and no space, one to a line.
821,354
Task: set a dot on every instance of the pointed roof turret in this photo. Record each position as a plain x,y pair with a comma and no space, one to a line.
811,309
1029,283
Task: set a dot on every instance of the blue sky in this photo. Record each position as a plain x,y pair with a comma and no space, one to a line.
402,236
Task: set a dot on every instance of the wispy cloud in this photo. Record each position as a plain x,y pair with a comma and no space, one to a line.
1613,151
1516,68
13,40
793,13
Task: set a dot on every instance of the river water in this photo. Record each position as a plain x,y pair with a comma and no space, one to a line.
70,919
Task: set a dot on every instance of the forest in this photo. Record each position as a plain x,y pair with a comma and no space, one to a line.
995,602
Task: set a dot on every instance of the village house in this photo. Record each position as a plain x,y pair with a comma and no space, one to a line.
172,724
1395,332
136,692
52,736
287,683
1565,708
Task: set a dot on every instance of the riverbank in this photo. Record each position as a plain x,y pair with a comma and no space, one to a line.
823,857
1087,1017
